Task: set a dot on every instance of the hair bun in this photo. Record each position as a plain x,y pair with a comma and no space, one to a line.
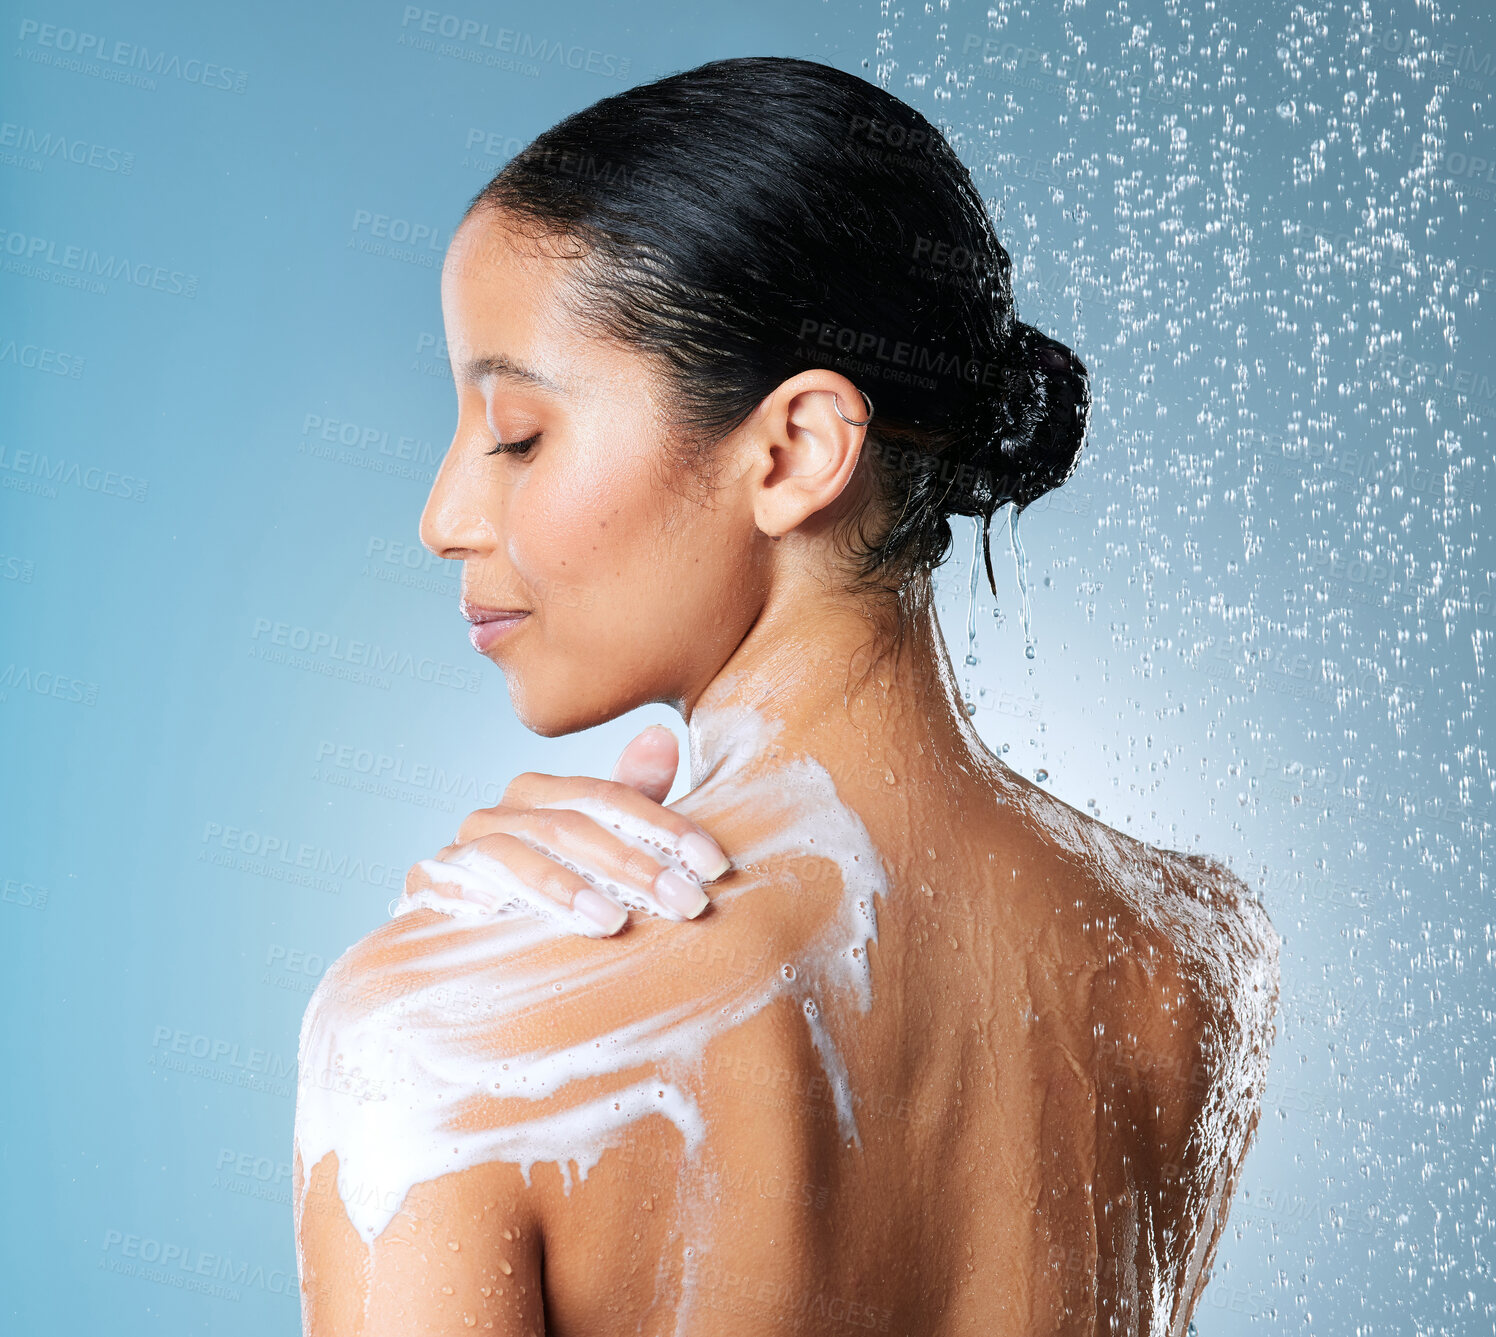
1046,406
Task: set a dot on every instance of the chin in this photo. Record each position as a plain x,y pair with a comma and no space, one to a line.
553,716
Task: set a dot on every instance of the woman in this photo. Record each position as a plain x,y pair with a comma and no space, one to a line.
944,1055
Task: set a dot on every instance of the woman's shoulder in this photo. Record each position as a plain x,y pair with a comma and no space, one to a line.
1181,953
1190,906
521,983
505,1038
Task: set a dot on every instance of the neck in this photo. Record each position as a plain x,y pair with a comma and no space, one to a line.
824,680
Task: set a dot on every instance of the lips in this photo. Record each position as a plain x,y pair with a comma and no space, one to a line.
478,613
490,624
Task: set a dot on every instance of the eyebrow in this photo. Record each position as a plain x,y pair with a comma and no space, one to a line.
481,368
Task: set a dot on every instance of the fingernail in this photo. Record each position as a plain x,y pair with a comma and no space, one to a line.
608,915
703,857
680,893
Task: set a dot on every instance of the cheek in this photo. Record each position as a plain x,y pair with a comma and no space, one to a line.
585,531
612,553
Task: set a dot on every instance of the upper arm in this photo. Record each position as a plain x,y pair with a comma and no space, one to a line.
394,1232
461,1255
453,1055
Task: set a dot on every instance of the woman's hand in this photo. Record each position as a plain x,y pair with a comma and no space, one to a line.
577,850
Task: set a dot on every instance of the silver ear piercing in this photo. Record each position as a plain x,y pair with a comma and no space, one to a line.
868,402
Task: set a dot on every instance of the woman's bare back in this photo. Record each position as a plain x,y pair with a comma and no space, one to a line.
1018,1105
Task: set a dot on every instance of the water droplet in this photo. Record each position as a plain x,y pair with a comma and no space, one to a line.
787,970
1041,775
1020,565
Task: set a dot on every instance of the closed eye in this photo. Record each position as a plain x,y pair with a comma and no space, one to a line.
513,447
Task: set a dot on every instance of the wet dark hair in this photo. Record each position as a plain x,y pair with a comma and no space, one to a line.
752,218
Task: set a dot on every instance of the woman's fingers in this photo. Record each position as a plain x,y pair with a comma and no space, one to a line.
625,810
649,763
580,851
502,872
637,873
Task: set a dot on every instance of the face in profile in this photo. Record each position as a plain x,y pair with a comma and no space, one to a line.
597,575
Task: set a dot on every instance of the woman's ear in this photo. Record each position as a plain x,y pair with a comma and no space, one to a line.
803,451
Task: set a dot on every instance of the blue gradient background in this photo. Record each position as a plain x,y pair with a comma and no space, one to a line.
1262,607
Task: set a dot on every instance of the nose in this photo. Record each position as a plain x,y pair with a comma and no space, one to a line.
454,522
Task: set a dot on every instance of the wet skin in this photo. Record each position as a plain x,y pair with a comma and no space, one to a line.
1055,1082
